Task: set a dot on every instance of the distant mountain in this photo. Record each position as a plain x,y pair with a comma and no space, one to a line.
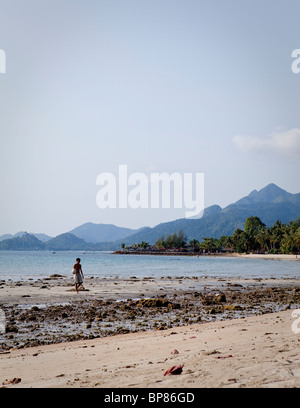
269,194
41,237
5,236
66,241
212,210
101,232
22,243
270,204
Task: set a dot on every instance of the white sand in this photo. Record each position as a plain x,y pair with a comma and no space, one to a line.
264,350
282,257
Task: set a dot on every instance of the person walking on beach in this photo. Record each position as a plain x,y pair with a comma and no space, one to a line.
78,274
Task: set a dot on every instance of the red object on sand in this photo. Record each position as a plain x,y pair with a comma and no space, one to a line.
175,370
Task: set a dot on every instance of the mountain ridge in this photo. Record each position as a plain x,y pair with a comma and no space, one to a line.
266,194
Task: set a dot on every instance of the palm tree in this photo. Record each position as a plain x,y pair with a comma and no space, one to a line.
226,242
194,243
144,245
263,239
277,232
290,240
209,244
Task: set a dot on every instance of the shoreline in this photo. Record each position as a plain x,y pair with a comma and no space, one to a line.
294,257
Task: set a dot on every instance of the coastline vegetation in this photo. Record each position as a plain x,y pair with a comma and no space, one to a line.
256,237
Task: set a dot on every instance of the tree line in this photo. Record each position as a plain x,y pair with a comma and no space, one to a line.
255,237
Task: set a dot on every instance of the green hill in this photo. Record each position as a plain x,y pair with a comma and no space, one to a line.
66,241
22,243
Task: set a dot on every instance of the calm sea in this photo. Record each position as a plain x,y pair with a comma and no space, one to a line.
18,265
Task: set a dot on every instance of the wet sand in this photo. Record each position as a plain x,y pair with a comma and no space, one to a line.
49,311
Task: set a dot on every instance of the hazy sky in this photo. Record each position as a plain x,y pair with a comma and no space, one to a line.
200,86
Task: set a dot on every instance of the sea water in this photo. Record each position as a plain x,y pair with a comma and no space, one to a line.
24,265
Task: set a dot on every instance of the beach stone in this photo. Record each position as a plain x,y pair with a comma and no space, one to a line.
11,329
233,307
221,298
207,300
157,302
296,290
152,303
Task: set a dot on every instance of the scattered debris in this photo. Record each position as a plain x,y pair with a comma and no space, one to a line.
175,370
208,353
12,381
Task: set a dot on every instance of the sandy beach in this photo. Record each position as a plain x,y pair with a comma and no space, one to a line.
278,257
124,333
260,351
